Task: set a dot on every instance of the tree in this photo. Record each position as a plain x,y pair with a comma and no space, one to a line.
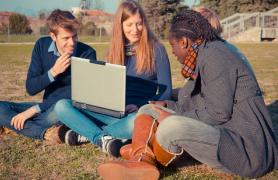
19,24
42,14
44,30
225,8
3,28
88,29
159,14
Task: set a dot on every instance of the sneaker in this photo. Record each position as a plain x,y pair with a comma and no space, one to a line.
111,145
74,139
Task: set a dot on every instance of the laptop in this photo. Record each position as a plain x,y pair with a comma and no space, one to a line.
98,86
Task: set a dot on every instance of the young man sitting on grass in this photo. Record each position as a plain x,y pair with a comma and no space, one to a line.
49,72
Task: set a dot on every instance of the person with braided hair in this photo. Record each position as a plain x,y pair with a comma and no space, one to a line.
214,21
220,117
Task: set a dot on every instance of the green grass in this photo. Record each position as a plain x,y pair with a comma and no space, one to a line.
23,158
18,38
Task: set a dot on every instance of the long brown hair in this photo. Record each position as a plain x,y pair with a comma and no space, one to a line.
144,48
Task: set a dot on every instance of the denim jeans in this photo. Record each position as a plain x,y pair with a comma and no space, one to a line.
198,139
178,133
34,127
93,125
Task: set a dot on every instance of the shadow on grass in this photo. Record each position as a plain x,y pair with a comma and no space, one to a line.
173,170
273,109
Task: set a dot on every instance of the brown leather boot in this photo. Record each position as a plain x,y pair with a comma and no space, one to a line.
126,151
142,163
55,134
4,130
162,156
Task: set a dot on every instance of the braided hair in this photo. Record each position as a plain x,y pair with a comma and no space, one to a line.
192,25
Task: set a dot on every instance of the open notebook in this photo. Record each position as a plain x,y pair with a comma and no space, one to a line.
98,86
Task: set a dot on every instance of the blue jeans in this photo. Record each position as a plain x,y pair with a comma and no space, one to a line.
34,127
93,125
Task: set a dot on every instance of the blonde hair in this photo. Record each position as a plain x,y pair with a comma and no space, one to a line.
144,48
211,16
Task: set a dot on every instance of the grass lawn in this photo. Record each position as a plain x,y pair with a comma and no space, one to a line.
23,158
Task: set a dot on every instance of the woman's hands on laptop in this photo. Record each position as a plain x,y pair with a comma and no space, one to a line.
131,108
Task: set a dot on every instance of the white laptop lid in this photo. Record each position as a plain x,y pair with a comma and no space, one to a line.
98,85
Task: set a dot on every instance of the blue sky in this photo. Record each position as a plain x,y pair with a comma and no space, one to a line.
31,7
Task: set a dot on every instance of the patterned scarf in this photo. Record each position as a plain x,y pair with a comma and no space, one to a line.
189,63
129,49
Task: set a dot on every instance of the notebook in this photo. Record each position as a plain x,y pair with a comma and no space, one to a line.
98,86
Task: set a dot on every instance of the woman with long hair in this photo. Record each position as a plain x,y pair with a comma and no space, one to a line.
220,117
134,46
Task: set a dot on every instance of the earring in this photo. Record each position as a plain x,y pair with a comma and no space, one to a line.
185,47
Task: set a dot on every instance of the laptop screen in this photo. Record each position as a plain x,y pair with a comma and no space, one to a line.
100,85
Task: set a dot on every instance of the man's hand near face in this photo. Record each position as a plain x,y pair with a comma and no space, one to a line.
61,64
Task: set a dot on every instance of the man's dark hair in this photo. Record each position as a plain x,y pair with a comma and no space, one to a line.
192,25
63,19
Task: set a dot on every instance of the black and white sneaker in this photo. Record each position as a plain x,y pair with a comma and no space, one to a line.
74,139
111,145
